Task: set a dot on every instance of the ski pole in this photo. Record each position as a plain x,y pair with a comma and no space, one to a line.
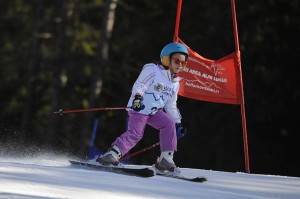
60,111
140,151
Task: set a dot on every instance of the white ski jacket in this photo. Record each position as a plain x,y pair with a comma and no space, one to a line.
159,90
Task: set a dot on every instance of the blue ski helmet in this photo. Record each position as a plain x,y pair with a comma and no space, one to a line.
172,48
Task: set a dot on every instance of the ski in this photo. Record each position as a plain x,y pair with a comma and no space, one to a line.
140,172
178,175
181,177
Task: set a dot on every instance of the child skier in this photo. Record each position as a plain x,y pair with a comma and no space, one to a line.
153,101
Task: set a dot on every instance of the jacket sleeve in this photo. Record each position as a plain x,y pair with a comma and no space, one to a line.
145,79
171,107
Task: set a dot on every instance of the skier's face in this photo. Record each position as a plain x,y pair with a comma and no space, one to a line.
178,62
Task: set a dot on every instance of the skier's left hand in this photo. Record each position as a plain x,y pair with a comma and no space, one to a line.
180,131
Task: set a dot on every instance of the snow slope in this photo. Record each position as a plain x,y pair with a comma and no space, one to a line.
54,178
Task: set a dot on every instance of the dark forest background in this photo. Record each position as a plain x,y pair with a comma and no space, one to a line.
75,54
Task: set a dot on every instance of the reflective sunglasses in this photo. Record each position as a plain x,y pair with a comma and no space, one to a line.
177,61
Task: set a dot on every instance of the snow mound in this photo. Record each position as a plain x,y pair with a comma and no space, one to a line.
53,177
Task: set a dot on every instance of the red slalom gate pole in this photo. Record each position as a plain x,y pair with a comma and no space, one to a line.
60,111
140,151
178,14
243,114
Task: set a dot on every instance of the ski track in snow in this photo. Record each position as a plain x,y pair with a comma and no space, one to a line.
49,178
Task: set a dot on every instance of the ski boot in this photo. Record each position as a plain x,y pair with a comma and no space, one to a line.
111,157
165,163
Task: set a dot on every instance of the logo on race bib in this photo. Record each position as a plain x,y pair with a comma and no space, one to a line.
158,87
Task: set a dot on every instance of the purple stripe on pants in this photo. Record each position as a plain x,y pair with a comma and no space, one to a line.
136,127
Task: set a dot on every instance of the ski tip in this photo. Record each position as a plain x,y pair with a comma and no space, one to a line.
199,179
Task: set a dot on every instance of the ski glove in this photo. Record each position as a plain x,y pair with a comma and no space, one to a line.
180,131
137,103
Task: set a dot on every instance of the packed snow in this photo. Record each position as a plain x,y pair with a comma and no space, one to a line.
54,177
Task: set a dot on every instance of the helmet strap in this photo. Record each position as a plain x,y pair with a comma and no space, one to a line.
165,67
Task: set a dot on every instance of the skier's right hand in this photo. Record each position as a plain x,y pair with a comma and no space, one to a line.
137,103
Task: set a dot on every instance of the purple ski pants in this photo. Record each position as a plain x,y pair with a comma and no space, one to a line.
136,126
